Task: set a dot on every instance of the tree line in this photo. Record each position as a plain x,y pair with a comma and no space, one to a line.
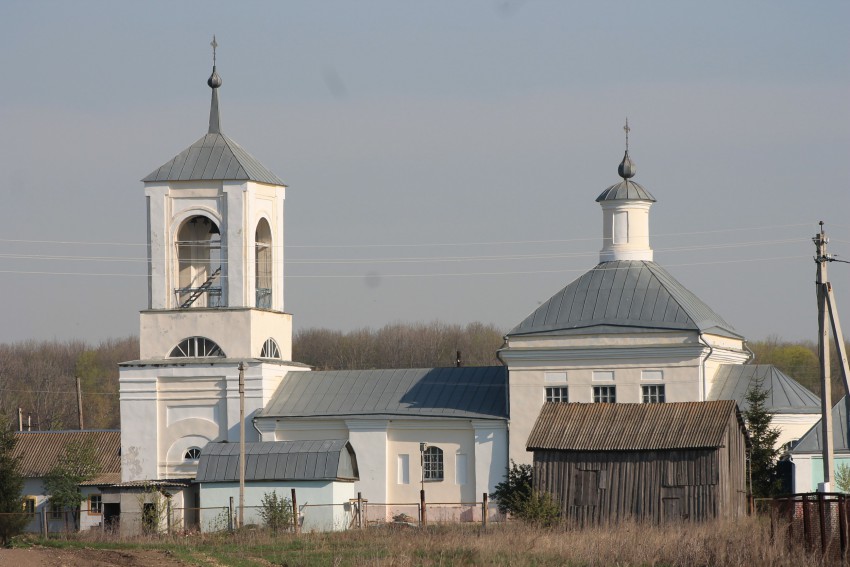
40,376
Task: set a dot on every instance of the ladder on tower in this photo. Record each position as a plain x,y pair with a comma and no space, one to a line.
199,291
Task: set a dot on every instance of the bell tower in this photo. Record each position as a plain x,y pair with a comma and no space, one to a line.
215,248
214,308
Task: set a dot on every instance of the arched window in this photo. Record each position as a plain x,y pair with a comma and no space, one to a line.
270,349
196,347
199,263
432,463
263,264
192,454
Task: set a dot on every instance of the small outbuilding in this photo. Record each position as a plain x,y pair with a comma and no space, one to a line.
322,472
41,451
655,462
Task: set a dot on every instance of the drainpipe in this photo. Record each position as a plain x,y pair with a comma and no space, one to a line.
702,365
752,356
257,429
507,398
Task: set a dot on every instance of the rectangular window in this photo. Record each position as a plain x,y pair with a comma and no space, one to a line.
652,375
604,394
557,394
621,227
95,504
432,463
404,469
29,505
555,377
603,375
460,469
653,394
55,512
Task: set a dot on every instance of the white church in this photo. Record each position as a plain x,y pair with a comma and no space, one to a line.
625,331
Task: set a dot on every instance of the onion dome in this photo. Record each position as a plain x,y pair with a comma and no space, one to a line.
626,190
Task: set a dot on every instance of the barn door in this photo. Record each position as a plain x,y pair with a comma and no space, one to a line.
671,509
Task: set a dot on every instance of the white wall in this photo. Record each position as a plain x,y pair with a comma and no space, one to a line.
167,408
323,505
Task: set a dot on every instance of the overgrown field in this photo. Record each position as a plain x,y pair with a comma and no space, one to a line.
744,543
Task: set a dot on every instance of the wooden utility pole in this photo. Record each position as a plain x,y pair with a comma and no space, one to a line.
823,356
828,309
79,402
241,444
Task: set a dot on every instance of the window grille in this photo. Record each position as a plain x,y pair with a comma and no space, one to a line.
95,504
653,394
270,349
557,394
196,347
604,394
192,454
432,463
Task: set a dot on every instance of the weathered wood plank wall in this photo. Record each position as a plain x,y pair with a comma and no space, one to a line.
662,485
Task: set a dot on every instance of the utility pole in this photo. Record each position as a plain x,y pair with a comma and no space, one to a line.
79,402
827,308
821,259
241,444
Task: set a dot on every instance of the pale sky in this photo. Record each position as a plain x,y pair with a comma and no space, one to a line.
442,157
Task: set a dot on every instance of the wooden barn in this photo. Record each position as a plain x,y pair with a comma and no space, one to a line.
654,462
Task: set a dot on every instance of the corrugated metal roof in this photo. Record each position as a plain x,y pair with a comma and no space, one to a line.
811,442
625,190
40,450
467,392
633,294
785,395
155,483
328,459
214,157
630,427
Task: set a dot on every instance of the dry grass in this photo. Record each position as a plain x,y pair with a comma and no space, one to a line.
743,543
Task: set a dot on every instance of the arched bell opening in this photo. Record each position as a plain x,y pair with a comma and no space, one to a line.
263,264
199,264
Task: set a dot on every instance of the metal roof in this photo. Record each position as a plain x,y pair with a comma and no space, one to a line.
785,395
468,392
633,294
330,459
214,157
631,427
625,190
40,451
811,441
155,483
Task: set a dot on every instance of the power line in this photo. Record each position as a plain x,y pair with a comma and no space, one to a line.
424,259
416,245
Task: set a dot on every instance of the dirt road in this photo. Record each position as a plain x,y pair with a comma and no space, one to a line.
46,557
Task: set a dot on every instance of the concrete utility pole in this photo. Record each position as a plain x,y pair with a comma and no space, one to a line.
820,241
827,308
241,444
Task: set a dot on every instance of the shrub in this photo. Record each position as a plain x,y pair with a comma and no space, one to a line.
539,509
276,511
512,493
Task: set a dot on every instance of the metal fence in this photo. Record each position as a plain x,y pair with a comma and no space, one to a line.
817,522
357,513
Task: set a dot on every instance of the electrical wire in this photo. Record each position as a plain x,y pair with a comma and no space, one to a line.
416,245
